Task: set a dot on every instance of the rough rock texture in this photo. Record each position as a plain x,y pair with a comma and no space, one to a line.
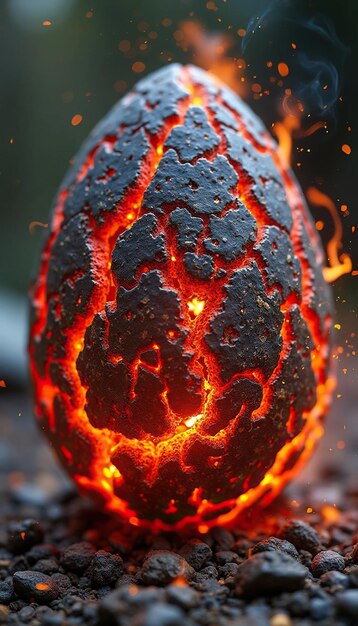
100,573
180,322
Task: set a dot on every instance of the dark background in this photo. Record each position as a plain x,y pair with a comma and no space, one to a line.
87,58
75,66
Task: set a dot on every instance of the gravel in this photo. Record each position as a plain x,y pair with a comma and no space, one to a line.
67,564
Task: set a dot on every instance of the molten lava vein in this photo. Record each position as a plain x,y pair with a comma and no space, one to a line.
179,345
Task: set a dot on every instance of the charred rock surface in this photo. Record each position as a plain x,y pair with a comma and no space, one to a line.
178,306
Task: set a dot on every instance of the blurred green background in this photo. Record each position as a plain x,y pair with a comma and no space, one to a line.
67,61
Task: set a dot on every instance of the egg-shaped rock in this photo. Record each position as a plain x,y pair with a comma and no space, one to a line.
179,341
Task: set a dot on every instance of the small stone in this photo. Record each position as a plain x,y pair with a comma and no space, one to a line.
89,612
62,581
229,569
224,538
182,595
26,613
335,581
226,556
40,552
280,619
77,608
274,544
320,608
18,564
161,567
243,546
35,587
301,535
207,573
120,601
105,569
196,553
49,617
268,573
78,557
297,603
161,614
46,566
326,561
23,535
347,603
17,605
6,592
126,579
213,589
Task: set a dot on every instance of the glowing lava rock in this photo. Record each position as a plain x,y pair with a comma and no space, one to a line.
179,342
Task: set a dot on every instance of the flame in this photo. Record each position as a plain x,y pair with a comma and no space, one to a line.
338,264
330,513
33,225
284,133
286,130
210,51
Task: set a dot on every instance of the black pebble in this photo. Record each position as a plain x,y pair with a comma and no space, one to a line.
6,592
335,581
162,566
196,553
269,573
273,544
347,603
326,561
35,587
301,535
26,613
23,535
78,557
182,595
47,566
105,569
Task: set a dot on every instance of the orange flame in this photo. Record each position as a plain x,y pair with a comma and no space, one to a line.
285,130
210,51
33,225
338,264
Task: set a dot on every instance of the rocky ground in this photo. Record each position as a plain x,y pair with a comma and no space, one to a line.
63,563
